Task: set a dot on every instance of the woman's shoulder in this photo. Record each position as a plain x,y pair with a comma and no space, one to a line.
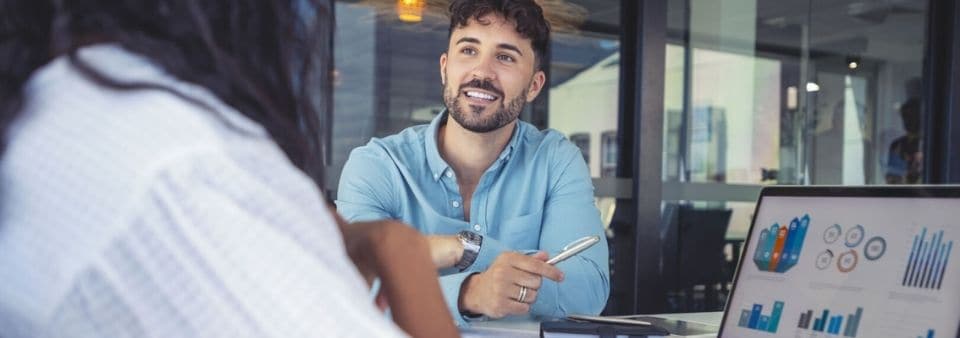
65,106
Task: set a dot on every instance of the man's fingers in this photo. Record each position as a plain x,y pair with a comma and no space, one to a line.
540,255
535,266
529,298
517,308
530,280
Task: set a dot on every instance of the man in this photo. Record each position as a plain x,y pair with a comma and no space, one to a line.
497,195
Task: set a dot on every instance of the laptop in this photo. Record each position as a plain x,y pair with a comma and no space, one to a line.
868,262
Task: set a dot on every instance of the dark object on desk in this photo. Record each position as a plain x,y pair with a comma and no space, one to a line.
600,330
694,264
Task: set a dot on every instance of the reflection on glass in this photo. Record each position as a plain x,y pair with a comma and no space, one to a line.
388,73
586,104
790,92
387,76
799,92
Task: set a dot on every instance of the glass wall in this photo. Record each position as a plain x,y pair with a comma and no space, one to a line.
388,77
387,74
584,88
792,92
810,92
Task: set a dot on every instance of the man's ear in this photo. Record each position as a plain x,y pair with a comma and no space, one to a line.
443,68
536,85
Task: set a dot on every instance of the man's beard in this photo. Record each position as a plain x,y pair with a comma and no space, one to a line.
472,119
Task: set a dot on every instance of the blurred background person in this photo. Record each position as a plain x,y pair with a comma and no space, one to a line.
905,156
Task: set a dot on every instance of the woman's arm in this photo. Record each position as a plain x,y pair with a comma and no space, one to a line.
400,257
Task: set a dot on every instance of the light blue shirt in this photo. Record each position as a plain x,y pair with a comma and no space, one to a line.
537,195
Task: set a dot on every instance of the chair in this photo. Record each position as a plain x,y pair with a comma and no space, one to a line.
693,256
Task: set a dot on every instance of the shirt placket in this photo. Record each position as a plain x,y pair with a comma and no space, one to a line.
453,198
478,204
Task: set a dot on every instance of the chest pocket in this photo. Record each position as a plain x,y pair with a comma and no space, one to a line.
522,232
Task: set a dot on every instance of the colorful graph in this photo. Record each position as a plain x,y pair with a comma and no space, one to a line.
778,248
752,319
928,261
848,249
929,334
831,324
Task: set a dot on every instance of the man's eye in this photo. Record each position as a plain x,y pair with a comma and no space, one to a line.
505,58
469,51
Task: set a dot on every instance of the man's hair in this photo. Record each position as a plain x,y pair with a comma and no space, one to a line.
526,14
268,59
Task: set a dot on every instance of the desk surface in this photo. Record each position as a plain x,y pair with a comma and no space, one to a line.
526,327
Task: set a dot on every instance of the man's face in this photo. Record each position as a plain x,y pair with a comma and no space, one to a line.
488,74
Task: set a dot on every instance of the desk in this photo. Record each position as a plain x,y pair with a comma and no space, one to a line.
527,327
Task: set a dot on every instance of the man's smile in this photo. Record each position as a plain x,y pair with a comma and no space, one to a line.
480,97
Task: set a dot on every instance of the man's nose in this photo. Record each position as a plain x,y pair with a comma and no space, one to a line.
483,70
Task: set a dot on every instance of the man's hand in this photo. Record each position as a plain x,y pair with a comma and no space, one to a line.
446,251
496,291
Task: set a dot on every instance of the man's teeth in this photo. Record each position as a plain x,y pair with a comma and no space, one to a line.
483,96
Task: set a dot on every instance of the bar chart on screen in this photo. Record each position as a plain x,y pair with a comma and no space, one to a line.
831,322
754,319
778,247
926,265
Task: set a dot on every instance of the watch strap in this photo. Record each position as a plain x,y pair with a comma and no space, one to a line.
471,248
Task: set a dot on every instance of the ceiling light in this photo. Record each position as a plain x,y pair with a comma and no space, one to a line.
853,62
813,87
410,10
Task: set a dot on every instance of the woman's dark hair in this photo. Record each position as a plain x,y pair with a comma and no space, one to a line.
268,59
526,14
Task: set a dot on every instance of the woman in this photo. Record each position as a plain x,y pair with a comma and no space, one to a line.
160,177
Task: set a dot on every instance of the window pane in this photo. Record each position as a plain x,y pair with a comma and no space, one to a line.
387,75
584,88
584,92
797,92
811,92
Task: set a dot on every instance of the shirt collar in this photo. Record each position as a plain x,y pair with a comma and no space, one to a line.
438,167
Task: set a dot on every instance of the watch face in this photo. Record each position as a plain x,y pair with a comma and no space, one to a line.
470,236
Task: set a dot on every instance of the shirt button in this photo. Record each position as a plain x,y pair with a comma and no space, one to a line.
435,176
449,174
455,204
476,227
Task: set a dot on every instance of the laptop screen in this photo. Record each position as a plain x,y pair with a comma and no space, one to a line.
850,266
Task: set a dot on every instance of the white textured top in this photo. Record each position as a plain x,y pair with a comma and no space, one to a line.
138,213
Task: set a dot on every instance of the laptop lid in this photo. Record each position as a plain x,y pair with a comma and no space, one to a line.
849,262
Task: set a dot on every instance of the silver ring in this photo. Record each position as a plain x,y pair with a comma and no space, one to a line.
523,294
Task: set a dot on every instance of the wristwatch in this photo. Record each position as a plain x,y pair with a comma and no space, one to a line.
471,248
